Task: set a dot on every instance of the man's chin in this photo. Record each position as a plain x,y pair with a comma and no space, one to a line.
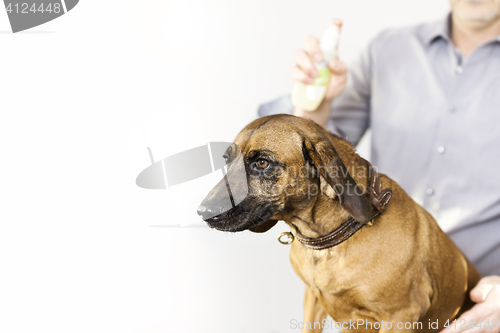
479,17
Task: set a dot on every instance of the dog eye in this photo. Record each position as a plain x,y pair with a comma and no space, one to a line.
262,163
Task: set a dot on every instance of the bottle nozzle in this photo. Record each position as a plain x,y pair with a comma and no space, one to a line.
330,41
337,22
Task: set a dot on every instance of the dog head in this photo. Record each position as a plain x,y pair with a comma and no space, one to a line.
279,164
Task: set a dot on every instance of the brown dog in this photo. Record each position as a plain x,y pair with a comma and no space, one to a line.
366,251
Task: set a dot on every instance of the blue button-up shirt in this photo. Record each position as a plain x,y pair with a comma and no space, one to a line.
435,122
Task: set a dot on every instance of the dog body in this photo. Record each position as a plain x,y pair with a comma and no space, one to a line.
399,270
402,269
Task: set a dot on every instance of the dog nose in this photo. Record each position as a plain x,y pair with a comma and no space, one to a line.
207,212
201,210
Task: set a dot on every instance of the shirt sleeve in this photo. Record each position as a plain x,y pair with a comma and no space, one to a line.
281,104
284,105
350,113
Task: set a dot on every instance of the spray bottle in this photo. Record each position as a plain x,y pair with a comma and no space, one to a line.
308,96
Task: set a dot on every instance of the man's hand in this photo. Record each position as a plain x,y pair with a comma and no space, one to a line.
305,71
484,317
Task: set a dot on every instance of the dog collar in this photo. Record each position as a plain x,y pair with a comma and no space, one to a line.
379,199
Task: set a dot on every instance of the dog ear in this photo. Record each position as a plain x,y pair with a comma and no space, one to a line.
264,226
330,166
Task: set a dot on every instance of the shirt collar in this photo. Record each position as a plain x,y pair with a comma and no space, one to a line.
438,30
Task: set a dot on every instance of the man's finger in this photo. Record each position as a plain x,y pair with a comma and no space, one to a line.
337,67
299,75
312,48
479,293
303,60
483,288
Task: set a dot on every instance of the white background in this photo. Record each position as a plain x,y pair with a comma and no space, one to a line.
82,248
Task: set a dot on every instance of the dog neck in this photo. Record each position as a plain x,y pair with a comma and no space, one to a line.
323,215
325,223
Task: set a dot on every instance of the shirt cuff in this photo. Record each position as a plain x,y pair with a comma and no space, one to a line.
284,105
280,105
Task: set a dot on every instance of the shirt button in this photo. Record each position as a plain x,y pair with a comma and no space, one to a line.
429,191
441,149
459,69
453,109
